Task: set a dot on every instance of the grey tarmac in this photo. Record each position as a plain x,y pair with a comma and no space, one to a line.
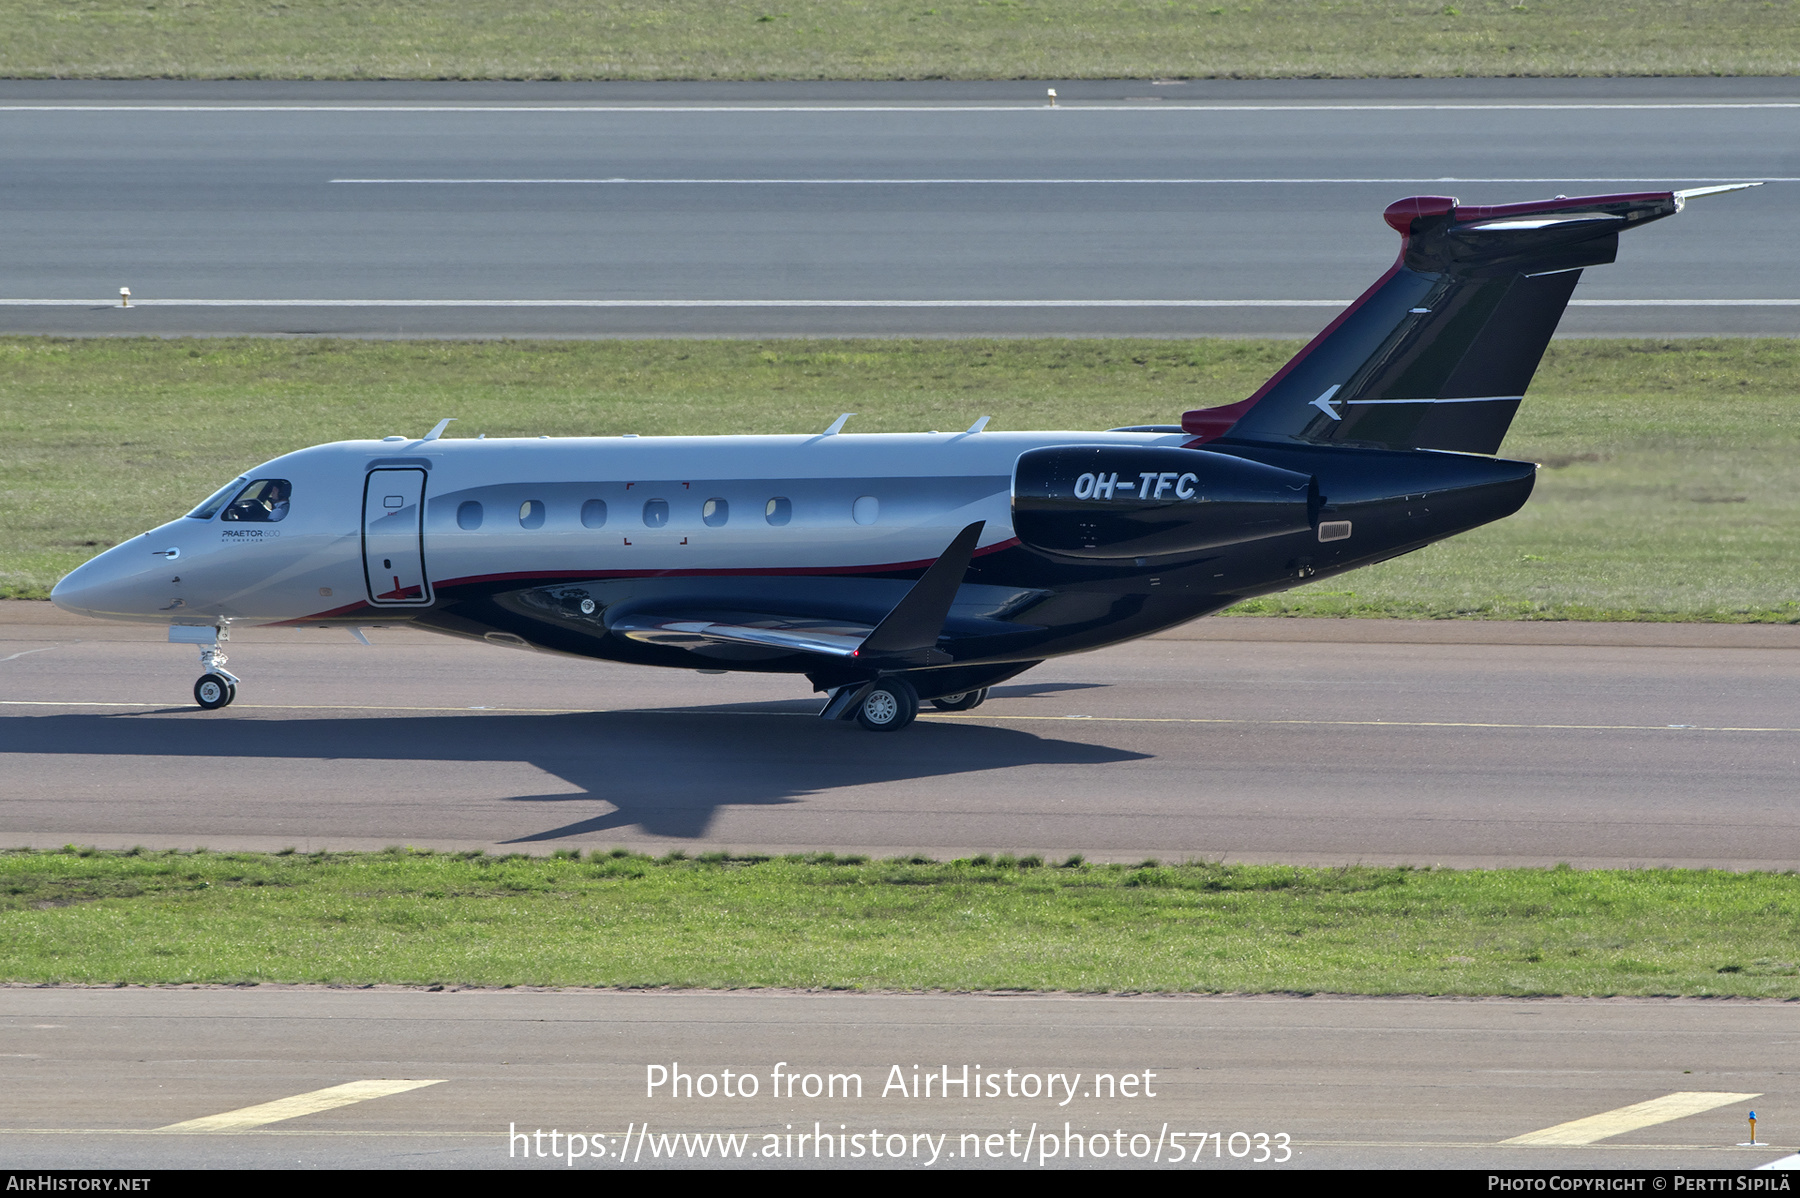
93,1074
1459,743
1157,208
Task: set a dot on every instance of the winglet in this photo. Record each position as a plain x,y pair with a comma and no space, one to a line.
837,426
437,432
916,622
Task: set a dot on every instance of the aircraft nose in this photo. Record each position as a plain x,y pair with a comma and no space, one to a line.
74,592
116,583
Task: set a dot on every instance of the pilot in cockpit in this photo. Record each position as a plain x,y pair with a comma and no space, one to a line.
278,500
264,501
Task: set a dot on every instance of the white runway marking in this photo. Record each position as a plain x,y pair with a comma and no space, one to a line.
309,1103
1630,1118
672,303
28,652
830,303
1048,182
1685,303
1033,105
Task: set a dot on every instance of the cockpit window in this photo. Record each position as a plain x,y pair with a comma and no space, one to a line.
216,500
264,501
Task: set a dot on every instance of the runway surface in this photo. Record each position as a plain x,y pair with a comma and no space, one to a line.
824,209
1375,1083
1450,742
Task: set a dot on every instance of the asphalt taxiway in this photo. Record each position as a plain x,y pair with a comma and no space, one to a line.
1164,208
287,1077
1447,742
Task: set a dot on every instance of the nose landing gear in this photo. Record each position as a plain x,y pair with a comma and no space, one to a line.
217,686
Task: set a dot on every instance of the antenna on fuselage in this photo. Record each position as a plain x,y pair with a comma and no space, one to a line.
437,432
979,424
837,426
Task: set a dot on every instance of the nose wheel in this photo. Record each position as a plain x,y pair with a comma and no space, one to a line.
214,691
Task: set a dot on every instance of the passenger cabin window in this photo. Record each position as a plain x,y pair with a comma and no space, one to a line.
468,516
778,511
656,513
866,510
593,514
216,500
714,513
264,501
531,514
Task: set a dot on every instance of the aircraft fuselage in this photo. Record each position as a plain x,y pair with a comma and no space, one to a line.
620,547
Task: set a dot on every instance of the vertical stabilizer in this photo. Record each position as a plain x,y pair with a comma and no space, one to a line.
1439,352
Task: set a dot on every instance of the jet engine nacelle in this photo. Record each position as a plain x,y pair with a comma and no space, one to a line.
1112,502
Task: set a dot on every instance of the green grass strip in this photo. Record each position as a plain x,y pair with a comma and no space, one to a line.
1672,488
822,922
891,39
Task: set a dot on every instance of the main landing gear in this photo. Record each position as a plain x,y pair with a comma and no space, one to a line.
884,705
890,704
217,686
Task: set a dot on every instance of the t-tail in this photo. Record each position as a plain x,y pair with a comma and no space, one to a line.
1439,352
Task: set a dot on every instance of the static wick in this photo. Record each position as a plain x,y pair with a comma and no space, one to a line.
124,297
1052,97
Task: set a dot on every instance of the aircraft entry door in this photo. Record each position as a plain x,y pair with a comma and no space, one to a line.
393,536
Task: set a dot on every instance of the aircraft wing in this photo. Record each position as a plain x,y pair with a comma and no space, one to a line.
699,633
906,635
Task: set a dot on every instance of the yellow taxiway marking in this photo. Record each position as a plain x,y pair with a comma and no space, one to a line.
1146,719
975,717
331,1097
1630,1118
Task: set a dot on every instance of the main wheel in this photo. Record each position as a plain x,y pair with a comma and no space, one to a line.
890,705
967,701
213,691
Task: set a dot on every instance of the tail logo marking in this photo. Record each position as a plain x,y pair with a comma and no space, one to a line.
1323,403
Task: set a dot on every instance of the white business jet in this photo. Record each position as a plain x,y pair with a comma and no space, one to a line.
891,569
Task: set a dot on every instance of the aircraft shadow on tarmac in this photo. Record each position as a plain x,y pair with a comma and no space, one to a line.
667,772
